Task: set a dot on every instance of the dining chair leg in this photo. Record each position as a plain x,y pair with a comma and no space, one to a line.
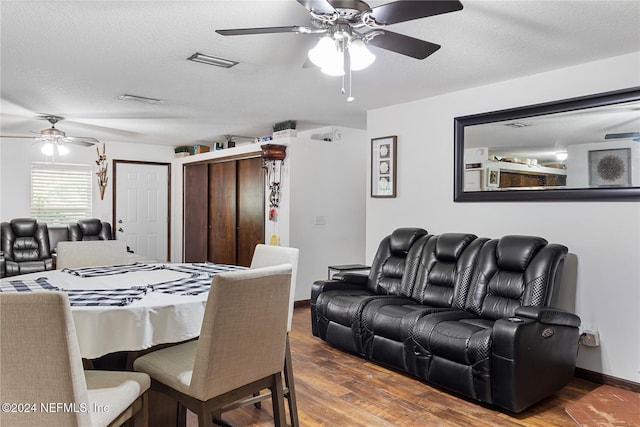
289,382
277,399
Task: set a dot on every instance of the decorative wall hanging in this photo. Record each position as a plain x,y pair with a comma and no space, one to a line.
383,166
102,170
273,156
610,168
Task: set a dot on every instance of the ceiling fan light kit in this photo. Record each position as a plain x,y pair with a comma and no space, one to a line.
349,25
49,149
329,54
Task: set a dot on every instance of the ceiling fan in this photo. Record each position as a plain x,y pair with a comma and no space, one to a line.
55,138
349,25
625,135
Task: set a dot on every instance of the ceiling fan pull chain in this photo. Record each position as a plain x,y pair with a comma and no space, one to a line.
350,98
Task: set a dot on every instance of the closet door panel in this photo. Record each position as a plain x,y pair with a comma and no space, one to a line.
222,213
195,213
250,220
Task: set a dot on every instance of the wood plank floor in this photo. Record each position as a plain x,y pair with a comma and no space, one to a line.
337,389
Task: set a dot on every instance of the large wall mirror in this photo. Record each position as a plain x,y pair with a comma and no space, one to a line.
577,149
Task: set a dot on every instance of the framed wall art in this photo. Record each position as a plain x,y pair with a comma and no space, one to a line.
384,166
610,168
493,177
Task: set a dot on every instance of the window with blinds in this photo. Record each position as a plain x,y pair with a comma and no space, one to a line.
60,193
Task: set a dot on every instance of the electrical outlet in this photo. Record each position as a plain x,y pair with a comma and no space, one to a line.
590,338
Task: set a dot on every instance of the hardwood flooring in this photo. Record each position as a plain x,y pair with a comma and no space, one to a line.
337,389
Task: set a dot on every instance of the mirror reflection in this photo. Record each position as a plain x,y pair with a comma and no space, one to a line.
596,147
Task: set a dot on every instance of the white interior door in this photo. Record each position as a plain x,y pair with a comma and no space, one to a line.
142,208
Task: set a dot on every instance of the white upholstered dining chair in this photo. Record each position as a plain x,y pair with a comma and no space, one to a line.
263,256
240,350
91,253
40,364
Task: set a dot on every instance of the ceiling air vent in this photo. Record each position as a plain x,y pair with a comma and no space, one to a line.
212,60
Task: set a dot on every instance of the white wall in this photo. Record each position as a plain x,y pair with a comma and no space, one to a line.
327,184
15,172
602,274
320,179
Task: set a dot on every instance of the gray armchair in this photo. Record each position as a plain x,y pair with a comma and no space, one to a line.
24,246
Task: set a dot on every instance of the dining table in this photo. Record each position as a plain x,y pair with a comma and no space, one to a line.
130,307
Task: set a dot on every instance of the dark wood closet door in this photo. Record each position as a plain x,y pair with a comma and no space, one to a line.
222,213
250,210
195,212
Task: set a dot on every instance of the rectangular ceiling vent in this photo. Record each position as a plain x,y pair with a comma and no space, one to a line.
516,125
127,97
212,60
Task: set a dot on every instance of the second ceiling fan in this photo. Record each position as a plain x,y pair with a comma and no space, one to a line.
54,138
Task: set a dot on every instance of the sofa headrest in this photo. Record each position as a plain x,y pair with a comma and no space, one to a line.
24,227
402,239
90,226
449,246
514,253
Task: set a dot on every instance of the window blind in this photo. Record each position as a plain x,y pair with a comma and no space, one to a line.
60,193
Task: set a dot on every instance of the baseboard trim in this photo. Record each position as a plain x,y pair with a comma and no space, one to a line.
302,303
600,378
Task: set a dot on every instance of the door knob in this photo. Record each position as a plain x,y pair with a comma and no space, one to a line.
120,230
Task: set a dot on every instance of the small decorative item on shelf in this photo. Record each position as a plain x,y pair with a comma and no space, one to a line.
182,151
284,129
197,149
229,142
102,170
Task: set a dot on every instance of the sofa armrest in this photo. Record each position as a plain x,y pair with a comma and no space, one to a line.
2,265
353,278
534,355
320,286
548,316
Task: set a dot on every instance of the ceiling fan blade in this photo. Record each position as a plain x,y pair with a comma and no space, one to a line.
265,30
85,141
401,10
404,45
320,7
17,136
622,135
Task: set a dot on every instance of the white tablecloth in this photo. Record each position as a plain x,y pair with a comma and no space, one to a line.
157,318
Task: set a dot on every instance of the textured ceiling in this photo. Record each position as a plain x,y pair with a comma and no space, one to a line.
74,58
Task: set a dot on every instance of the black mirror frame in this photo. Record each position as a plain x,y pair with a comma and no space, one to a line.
584,194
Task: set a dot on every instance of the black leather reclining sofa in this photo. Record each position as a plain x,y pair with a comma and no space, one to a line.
468,314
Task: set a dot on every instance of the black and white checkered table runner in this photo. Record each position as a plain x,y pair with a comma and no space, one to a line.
110,270
194,285
79,297
38,285
203,268
104,297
